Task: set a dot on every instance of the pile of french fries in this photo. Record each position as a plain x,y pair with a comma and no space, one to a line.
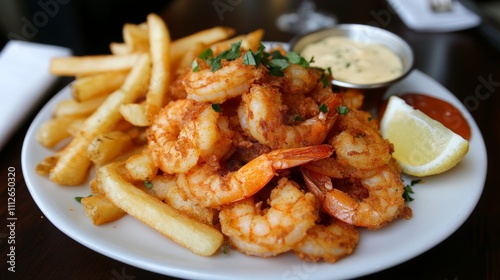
115,98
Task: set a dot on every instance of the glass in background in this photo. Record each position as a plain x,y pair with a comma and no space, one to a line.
305,19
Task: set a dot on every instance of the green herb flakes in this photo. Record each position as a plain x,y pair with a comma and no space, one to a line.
148,184
216,107
343,110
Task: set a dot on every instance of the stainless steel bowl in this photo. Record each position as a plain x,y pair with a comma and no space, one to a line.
364,34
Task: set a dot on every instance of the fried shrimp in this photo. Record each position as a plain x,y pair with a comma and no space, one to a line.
186,131
272,231
328,243
205,184
359,143
383,203
231,80
260,114
300,80
165,188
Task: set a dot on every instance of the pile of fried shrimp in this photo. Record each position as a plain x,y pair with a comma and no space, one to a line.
251,149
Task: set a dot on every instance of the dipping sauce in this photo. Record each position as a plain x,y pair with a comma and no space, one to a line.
438,110
354,62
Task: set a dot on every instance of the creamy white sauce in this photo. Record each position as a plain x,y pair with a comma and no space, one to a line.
354,62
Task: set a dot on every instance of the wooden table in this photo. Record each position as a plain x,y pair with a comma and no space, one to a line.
461,61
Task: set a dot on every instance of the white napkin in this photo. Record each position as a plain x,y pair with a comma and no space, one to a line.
417,14
24,78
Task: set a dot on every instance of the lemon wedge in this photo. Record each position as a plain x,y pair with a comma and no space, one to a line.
422,146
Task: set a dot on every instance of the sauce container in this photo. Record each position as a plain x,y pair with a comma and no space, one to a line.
361,36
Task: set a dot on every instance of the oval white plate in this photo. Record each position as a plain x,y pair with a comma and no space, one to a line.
442,203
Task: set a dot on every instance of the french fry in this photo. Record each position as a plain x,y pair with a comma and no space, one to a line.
207,37
73,164
100,210
135,114
88,87
74,109
196,236
159,38
107,146
54,131
189,57
44,167
75,126
141,167
119,48
92,64
136,37
250,41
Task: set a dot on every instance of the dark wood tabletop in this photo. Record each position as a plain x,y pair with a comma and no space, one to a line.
466,62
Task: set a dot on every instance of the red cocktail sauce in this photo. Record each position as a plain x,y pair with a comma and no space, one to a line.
437,109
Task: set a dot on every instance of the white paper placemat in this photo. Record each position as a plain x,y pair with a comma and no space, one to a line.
24,78
417,14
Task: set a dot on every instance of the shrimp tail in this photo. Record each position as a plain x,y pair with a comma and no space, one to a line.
286,158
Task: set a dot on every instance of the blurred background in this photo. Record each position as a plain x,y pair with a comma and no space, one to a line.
87,26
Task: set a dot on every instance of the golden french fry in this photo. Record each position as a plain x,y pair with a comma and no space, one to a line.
207,37
54,131
43,167
119,48
107,146
73,164
135,113
159,38
136,37
189,57
250,41
141,167
74,109
94,186
92,64
88,87
196,236
100,210
75,126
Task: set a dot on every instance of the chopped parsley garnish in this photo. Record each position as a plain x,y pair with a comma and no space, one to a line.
295,58
215,62
249,58
225,249
324,80
275,61
216,107
343,110
323,108
298,118
195,66
148,184
409,190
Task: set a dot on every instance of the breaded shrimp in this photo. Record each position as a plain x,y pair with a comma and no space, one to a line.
260,115
231,80
358,142
206,184
276,230
328,243
185,131
383,204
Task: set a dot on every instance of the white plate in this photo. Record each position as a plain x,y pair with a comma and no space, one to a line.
442,203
